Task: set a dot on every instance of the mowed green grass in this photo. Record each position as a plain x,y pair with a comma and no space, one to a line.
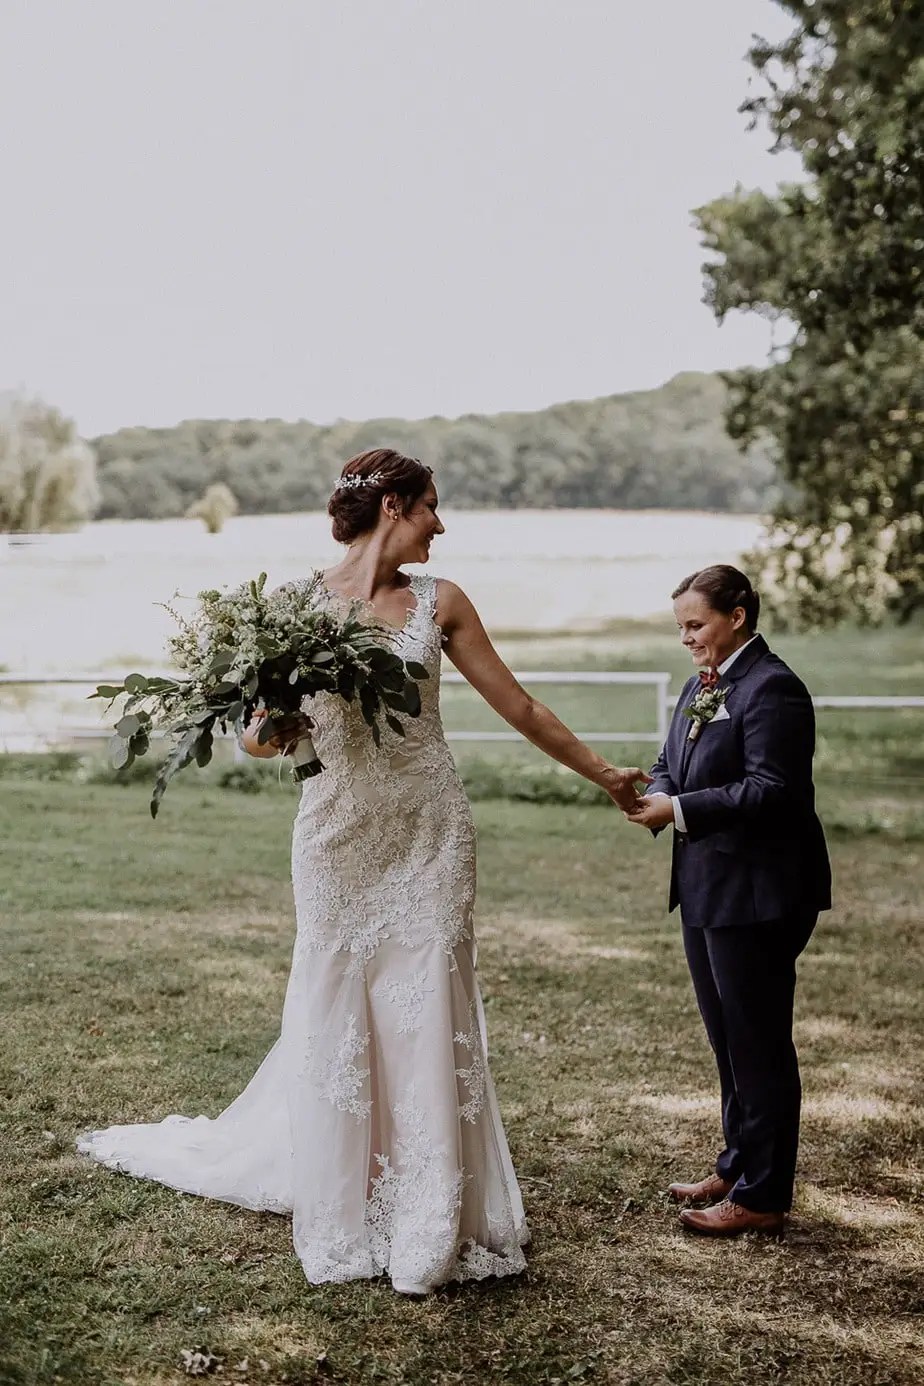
143,971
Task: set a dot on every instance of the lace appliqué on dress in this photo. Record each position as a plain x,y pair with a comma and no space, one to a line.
474,1077
330,1066
409,998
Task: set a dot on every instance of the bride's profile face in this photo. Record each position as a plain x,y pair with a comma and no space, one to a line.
419,527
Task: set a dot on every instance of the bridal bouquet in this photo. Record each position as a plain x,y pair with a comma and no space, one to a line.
247,651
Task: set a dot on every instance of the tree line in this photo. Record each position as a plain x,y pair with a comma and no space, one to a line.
656,448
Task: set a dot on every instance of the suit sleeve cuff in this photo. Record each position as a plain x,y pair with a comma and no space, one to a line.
679,821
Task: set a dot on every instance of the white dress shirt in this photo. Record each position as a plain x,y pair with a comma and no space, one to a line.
723,668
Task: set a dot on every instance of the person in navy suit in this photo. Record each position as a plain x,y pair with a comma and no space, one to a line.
750,873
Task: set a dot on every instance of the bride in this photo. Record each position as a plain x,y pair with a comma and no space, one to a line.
373,1119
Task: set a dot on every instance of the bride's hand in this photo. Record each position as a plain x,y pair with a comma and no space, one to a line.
620,781
286,734
289,731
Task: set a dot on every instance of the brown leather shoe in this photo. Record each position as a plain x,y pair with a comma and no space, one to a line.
709,1190
729,1219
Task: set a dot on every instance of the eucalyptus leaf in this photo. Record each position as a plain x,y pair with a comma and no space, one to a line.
395,700
412,698
266,730
159,685
123,756
393,677
204,748
180,756
136,683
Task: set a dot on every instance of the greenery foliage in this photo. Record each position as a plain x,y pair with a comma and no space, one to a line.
665,447
47,473
837,261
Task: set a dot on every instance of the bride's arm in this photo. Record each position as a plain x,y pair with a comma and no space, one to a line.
468,646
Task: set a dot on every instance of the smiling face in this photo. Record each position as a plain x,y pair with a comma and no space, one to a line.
709,635
415,531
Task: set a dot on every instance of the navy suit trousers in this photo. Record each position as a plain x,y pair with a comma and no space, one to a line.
745,980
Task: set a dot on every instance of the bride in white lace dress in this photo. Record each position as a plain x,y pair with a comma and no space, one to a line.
373,1119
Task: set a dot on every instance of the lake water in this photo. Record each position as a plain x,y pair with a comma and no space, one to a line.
88,600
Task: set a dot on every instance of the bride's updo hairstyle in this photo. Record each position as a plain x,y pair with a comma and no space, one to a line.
354,507
724,588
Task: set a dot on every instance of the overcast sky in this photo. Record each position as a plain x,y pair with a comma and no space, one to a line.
349,208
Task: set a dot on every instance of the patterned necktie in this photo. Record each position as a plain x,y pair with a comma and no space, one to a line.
708,678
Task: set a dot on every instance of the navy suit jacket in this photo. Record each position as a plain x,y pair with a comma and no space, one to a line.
755,849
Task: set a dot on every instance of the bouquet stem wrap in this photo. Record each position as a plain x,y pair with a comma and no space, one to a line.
303,758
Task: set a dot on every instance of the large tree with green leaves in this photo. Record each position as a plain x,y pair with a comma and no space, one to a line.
837,263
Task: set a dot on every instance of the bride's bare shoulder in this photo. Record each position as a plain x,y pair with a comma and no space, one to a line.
453,606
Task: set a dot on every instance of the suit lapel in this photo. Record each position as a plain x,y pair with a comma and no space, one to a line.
746,660
686,745
741,667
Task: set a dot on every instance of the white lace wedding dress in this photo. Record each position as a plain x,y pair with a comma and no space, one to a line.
373,1118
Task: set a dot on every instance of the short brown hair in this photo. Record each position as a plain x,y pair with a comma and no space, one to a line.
724,588
355,509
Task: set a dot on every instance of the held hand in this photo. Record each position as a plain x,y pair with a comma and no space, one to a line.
619,783
652,811
290,731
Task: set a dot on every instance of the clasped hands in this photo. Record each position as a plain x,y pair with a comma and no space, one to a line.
651,811
645,810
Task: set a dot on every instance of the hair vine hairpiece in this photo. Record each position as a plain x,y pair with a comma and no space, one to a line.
353,480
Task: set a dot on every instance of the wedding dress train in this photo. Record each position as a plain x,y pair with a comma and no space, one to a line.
373,1119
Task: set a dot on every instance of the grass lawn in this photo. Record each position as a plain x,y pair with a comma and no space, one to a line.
142,972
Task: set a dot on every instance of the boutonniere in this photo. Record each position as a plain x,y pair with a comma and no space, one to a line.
703,708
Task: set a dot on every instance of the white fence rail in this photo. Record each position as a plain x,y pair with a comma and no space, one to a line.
658,680
655,678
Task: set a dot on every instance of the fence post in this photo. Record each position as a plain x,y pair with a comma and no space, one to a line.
661,694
